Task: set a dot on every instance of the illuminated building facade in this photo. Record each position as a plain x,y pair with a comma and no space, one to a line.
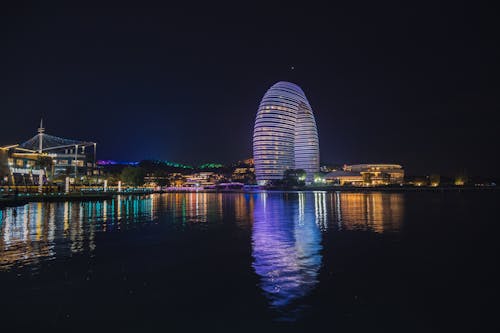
341,178
21,167
202,179
71,158
378,174
285,134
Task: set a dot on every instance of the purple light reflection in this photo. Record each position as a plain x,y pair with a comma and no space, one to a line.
286,249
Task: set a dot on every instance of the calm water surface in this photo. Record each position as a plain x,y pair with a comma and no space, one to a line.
418,262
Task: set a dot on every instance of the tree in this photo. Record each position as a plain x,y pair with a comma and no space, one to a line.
4,165
435,179
294,177
44,163
133,176
461,178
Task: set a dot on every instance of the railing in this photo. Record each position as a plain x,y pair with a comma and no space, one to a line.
18,189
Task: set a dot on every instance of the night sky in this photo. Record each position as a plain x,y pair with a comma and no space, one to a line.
415,84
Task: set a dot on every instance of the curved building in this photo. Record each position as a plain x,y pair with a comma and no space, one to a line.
285,134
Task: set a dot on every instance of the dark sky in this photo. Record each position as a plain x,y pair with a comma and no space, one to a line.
410,83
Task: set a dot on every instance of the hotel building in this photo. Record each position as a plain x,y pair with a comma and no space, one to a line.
285,134
367,175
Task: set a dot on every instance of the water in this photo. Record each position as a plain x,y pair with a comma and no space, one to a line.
418,262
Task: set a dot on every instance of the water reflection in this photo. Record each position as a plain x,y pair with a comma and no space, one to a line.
286,229
45,230
49,230
286,237
286,246
377,212
193,207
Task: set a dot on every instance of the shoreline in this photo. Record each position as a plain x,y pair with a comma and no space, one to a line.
344,189
22,199
396,189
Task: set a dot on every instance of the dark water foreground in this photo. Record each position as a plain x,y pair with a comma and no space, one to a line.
267,262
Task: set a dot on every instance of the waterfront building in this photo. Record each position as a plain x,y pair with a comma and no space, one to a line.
244,174
419,181
329,168
285,134
202,179
243,171
107,163
177,179
340,177
434,180
367,175
22,167
73,158
378,174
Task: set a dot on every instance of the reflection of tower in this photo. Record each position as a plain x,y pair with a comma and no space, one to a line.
286,248
320,209
338,211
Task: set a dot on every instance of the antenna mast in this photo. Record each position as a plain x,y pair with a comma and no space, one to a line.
41,130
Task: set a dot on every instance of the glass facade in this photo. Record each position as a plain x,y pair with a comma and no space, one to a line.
285,134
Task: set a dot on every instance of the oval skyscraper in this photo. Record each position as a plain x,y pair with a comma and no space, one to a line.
285,134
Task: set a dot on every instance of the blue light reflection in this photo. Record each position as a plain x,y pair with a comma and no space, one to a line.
287,247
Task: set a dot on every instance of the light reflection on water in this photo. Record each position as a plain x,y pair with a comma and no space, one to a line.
286,245
286,237
47,230
286,229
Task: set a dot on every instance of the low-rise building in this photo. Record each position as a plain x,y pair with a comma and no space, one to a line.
378,174
244,174
74,158
244,171
71,158
366,175
342,178
22,167
202,179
